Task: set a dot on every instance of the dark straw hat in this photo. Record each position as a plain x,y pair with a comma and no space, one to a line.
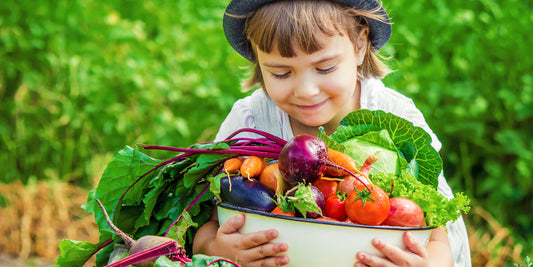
380,32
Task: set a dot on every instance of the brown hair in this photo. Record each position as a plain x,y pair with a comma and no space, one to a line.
288,22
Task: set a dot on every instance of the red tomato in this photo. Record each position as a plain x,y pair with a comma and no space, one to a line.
326,186
365,208
335,207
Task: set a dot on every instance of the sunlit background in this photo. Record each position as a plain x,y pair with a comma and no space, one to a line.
81,79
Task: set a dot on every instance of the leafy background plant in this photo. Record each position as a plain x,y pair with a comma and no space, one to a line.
81,79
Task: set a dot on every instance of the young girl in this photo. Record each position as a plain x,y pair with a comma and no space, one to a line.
316,62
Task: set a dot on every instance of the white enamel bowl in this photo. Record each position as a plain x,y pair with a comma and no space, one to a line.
320,243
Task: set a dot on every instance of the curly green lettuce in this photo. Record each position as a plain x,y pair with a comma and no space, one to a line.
438,210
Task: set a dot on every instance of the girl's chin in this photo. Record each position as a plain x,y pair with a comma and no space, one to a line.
309,122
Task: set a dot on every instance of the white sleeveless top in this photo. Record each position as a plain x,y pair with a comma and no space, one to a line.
258,111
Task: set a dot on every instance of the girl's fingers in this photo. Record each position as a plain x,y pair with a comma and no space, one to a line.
268,250
232,224
392,254
367,259
414,245
270,262
258,238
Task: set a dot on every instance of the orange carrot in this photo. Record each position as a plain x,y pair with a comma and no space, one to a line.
252,166
271,177
342,160
232,165
279,211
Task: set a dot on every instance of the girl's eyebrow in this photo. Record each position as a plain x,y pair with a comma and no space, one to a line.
276,65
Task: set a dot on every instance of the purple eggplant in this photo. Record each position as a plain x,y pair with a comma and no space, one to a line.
247,193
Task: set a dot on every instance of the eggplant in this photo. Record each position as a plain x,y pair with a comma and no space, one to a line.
247,193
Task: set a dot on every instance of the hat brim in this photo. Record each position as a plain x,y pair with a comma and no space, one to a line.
233,24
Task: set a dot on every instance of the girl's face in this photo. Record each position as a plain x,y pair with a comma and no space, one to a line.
316,89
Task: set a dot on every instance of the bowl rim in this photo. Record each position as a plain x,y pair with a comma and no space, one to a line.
230,206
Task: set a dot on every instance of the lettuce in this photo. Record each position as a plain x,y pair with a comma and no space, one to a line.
438,210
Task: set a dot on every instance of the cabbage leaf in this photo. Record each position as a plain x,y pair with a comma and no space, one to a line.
400,145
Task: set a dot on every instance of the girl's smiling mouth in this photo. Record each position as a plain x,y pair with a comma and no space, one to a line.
312,107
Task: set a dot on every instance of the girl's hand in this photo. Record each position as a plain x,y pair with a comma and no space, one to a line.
414,255
436,253
248,250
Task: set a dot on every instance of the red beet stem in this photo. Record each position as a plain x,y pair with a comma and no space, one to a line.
272,137
169,248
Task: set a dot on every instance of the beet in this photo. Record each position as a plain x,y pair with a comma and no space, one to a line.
317,196
145,251
303,159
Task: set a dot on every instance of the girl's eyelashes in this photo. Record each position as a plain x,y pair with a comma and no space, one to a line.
282,75
326,70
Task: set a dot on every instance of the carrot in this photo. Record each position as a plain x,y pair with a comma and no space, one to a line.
271,177
252,166
232,165
342,160
279,211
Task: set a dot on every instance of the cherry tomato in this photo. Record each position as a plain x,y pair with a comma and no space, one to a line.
335,207
367,208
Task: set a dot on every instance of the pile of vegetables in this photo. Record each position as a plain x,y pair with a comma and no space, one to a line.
305,176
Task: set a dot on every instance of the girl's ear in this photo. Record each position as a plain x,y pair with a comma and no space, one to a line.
361,46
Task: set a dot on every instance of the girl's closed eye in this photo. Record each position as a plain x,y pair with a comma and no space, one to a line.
327,69
281,75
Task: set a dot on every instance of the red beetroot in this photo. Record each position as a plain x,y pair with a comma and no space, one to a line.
404,212
303,159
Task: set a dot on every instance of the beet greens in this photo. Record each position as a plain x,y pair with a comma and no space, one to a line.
172,197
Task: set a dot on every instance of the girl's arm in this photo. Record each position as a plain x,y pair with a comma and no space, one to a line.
436,253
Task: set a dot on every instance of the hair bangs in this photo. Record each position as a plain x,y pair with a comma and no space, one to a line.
285,25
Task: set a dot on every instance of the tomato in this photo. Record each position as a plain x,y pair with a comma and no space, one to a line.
367,208
326,186
335,207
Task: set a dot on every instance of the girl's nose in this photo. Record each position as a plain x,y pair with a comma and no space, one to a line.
306,87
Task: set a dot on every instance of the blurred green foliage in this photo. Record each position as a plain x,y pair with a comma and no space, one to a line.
466,65
80,79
